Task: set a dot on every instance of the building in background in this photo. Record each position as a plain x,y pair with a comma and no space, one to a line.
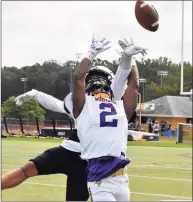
172,109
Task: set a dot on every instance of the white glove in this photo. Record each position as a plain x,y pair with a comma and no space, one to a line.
21,98
97,46
129,50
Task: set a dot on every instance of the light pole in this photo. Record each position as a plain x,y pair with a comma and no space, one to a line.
78,55
24,80
139,95
72,66
142,80
162,73
182,53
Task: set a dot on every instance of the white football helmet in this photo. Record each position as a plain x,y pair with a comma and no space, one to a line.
104,70
98,81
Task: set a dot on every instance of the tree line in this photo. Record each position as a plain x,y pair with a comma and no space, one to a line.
54,78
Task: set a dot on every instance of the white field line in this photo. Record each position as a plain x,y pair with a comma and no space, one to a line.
31,150
5,149
134,157
137,166
10,156
164,167
142,176
42,151
149,147
161,178
157,147
148,158
138,193
145,158
169,196
175,200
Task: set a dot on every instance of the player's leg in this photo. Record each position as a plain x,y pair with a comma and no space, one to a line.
76,189
122,192
103,196
111,188
60,160
52,161
18,175
101,191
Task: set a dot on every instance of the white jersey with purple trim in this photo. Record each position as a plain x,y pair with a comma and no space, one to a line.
51,103
102,127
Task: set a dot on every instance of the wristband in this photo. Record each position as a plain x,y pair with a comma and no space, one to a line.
90,55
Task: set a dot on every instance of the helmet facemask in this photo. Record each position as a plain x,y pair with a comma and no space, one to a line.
98,84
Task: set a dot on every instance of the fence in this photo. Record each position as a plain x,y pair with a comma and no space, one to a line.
33,127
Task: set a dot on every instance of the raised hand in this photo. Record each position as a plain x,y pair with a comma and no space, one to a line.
130,49
97,46
21,98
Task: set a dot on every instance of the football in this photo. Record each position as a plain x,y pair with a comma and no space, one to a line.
147,16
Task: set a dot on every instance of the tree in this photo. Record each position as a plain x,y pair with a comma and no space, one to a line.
9,108
53,78
29,109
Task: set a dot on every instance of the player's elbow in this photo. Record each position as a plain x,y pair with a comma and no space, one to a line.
133,78
130,101
135,85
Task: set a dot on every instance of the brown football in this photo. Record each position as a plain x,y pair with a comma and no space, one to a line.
147,16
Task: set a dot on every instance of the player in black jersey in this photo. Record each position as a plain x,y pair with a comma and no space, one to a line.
57,160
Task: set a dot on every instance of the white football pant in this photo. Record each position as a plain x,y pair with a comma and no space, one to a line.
110,189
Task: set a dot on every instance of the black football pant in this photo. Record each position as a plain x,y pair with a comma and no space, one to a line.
59,160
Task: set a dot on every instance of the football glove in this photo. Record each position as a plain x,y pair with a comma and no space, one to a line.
128,50
21,98
97,46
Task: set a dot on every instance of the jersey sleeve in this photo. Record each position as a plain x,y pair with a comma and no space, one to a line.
49,102
68,105
119,83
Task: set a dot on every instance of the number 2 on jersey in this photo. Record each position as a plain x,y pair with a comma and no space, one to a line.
103,122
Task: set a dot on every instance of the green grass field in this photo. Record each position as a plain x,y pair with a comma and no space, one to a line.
158,171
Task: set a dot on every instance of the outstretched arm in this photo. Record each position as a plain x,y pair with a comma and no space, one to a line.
78,95
131,93
47,101
17,176
119,82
